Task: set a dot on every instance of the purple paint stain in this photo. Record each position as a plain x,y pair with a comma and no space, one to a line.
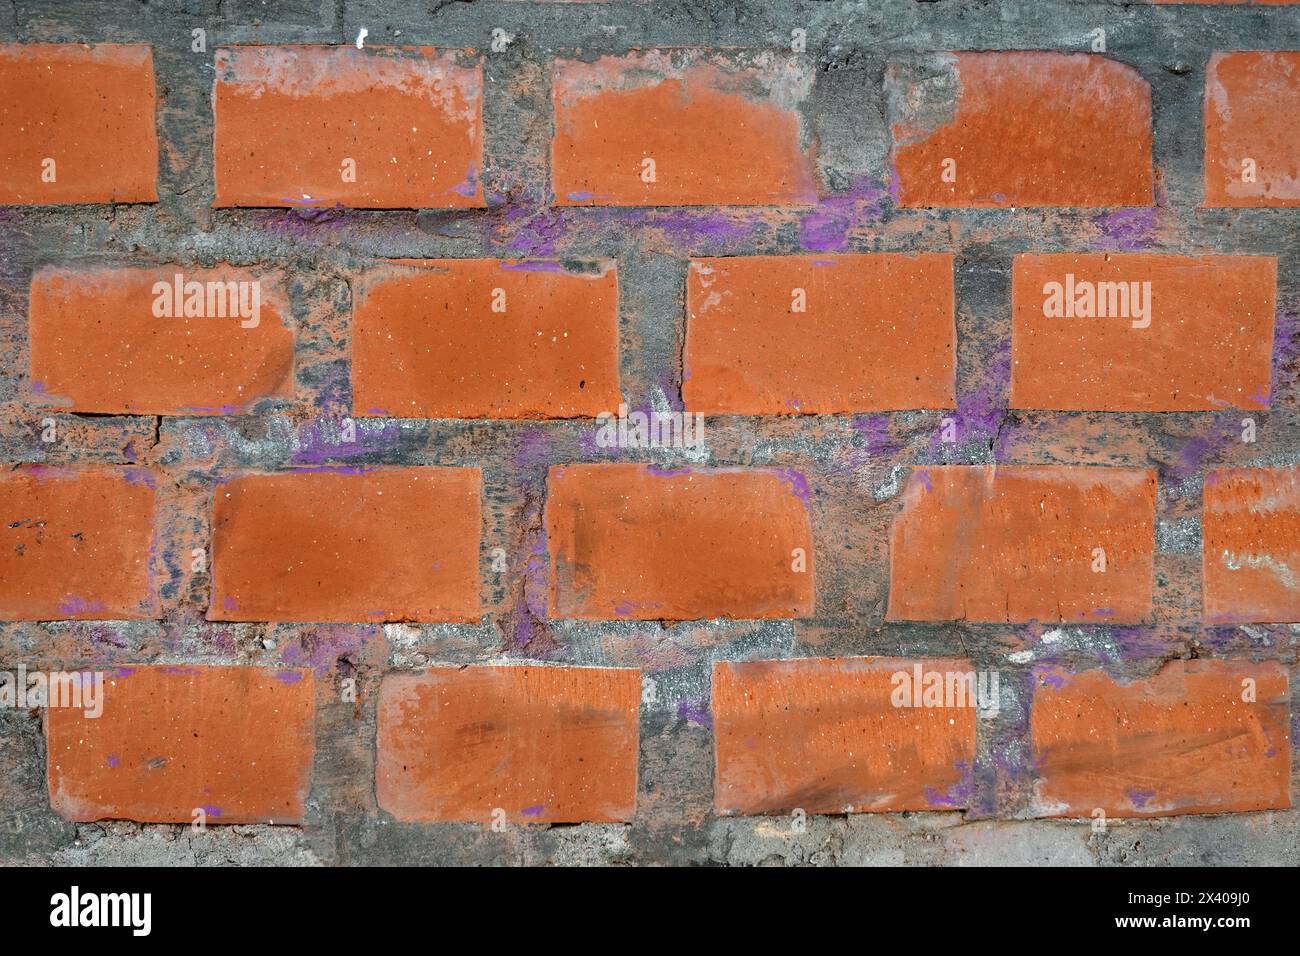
661,472
122,672
695,712
75,604
533,811
535,265
533,448
923,476
1104,611
827,226
228,603
874,430
288,677
211,810
690,228
534,233
1127,230
959,794
113,761
1050,676
798,483
318,444
1140,798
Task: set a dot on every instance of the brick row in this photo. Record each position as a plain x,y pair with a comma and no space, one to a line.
765,335
389,127
492,744
1010,544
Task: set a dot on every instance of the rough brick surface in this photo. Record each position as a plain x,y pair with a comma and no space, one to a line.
711,138
481,338
524,744
389,479
1020,544
829,736
1252,545
89,109
99,343
290,120
773,335
234,742
386,544
1251,159
1142,333
636,542
1198,737
1023,129
77,543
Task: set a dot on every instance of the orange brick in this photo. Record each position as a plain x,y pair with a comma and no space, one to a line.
352,544
539,744
717,135
831,736
1251,557
1251,101
1183,741
634,541
99,344
1025,128
289,118
234,742
1019,543
76,543
429,340
771,335
1147,333
89,109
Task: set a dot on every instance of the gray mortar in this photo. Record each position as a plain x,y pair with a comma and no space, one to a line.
851,45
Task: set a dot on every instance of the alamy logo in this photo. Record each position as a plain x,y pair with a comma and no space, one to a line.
653,430
932,688
1082,299
213,299
78,690
103,909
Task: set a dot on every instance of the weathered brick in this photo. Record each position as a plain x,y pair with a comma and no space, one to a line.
1201,736
1252,142
1019,543
99,344
288,120
1251,551
717,135
770,335
89,110
76,543
234,742
482,338
352,544
1024,128
525,744
830,736
1178,333
634,541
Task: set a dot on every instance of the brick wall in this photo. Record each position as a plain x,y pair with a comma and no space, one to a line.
991,315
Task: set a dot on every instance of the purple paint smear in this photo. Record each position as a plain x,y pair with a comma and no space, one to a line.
1127,230
827,226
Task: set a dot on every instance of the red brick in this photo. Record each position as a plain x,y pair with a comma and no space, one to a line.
382,544
1016,543
553,352
1026,128
1251,533
825,736
540,744
235,742
1208,346
713,138
632,541
287,118
76,543
1251,101
1183,741
97,344
877,334
88,108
